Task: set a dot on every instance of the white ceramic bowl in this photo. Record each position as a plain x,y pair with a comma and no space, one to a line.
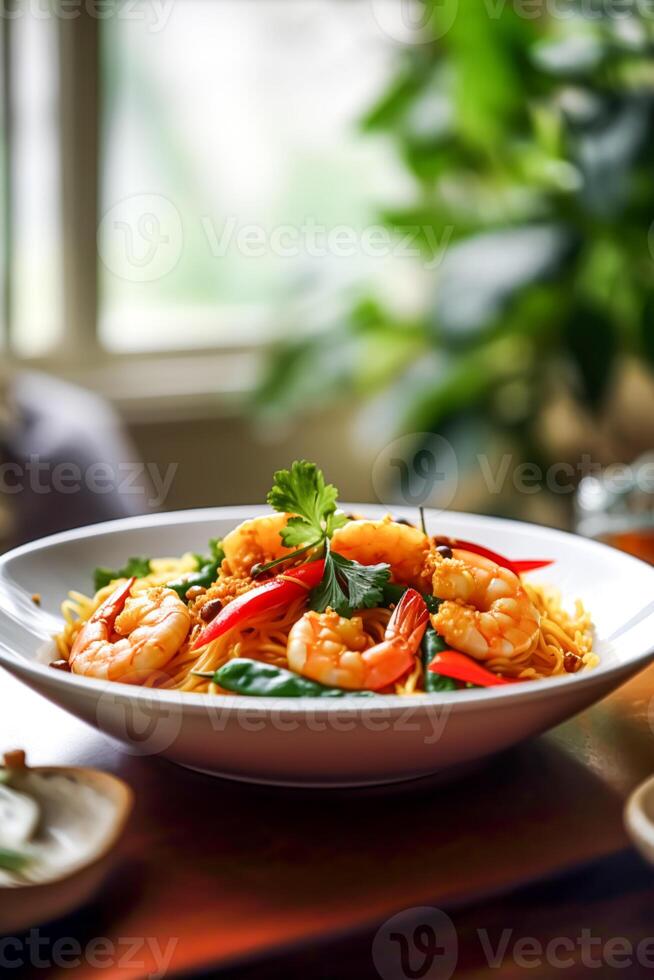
105,810
311,741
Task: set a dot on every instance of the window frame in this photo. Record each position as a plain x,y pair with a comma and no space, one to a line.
138,382
214,378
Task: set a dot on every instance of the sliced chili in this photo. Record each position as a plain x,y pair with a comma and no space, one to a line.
517,566
525,565
280,591
460,667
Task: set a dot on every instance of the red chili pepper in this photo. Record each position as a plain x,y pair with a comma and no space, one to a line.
524,565
280,591
452,663
517,567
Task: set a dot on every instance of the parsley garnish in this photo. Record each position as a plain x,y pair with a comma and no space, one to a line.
346,585
137,567
302,491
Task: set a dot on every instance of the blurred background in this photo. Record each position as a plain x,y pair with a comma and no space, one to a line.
409,240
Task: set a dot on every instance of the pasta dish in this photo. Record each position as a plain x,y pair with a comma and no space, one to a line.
309,601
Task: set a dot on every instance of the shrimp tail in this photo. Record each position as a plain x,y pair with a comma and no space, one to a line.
409,620
395,655
101,622
109,610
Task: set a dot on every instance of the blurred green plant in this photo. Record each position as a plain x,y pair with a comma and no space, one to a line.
530,139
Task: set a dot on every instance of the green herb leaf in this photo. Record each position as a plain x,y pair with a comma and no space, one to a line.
302,491
347,586
12,860
298,533
207,570
432,644
137,567
336,520
394,592
215,555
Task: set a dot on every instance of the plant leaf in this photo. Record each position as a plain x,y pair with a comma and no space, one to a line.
478,277
647,329
347,586
299,532
593,343
302,490
138,567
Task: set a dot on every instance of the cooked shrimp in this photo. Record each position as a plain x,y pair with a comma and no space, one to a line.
255,541
487,612
404,548
151,628
335,651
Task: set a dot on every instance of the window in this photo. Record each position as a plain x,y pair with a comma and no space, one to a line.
32,206
232,183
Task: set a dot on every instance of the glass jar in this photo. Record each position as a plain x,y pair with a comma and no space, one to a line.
616,505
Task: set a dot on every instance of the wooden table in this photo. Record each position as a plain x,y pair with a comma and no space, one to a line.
212,873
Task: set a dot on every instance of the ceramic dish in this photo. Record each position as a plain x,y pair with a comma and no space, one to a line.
309,742
67,822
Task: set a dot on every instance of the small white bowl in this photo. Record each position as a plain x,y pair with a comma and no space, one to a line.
639,818
98,805
312,741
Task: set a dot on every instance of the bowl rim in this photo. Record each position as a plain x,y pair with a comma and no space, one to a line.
463,700
639,825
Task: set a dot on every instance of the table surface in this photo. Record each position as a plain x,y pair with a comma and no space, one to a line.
212,872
